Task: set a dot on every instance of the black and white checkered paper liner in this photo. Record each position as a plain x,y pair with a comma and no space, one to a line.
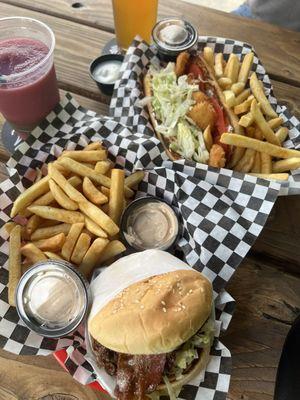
220,223
125,108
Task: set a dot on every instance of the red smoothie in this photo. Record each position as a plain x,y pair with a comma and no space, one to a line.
25,100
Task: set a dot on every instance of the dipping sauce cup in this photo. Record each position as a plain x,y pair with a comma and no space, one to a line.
28,85
149,223
52,298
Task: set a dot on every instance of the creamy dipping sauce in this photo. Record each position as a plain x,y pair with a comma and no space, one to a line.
173,34
107,72
151,225
52,298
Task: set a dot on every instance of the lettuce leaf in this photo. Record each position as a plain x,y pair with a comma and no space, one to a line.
171,101
171,98
188,352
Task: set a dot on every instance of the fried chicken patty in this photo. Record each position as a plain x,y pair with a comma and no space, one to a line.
203,114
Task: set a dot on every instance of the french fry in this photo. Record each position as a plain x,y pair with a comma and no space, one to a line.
81,247
225,83
237,154
103,167
268,133
246,120
219,65
282,134
47,232
242,96
48,222
93,146
276,177
286,165
47,212
90,260
89,156
54,243
105,191
258,134
94,228
243,107
92,193
61,198
266,163
29,195
257,163
134,179
9,226
275,122
229,98
53,256
14,271
71,240
238,87
115,205
79,169
232,68
32,224
246,68
48,197
114,248
246,162
96,214
89,165
260,96
33,254
264,147
71,191
208,140
208,56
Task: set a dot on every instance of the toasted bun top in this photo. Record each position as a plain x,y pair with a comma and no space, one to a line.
155,315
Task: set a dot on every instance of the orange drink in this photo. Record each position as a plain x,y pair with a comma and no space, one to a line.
134,17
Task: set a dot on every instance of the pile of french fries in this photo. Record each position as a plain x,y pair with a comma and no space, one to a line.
259,151
71,214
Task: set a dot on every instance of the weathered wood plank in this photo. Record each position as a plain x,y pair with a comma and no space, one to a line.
274,45
267,302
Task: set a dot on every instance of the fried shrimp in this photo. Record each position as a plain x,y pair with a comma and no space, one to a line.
217,157
181,63
203,114
199,97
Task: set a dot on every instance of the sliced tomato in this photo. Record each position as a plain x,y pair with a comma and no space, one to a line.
221,123
197,72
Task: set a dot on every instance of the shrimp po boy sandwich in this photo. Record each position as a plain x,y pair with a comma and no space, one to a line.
188,110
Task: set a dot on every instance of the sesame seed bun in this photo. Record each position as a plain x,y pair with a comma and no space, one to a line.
155,315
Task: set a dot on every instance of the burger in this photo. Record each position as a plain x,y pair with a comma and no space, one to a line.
151,325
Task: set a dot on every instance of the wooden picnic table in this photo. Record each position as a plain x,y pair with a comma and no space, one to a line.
266,286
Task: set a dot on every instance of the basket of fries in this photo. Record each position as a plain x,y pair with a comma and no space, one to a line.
215,107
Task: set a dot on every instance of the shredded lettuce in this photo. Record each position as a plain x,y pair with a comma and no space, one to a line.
188,352
171,101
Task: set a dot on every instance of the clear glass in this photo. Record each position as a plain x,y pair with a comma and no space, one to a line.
28,96
134,17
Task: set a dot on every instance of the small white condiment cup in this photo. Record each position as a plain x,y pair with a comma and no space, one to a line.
42,300
129,236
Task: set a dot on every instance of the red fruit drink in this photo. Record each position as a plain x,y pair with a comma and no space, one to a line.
28,85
